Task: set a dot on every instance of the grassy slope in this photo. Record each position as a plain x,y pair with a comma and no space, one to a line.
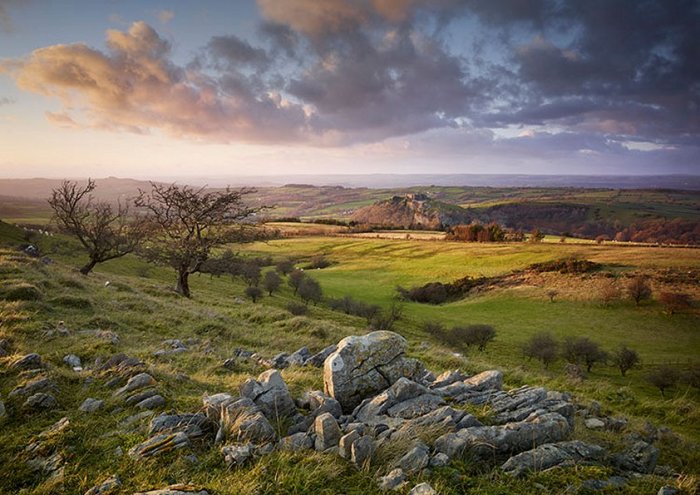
140,307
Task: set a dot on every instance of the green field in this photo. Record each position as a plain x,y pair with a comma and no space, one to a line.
140,306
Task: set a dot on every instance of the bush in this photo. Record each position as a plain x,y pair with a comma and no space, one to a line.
675,301
625,359
254,292
431,293
434,328
384,320
310,290
319,261
551,294
609,292
478,335
284,267
638,289
295,278
663,378
692,376
582,350
297,309
271,282
543,347
351,306
250,273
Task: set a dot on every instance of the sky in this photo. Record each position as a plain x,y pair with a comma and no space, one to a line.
148,89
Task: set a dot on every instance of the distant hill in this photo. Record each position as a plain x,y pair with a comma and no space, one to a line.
414,211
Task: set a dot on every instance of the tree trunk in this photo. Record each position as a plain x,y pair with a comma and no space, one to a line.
183,284
88,267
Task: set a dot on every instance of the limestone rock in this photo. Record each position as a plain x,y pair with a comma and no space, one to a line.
345,443
422,489
246,422
34,386
404,398
237,455
319,358
594,424
488,380
364,365
296,442
192,425
136,382
73,361
107,487
153,402
448,378
140,396
393,481
270,394
40,401
641,457
317,402
158,444
90,405
179,489
415,459
667,490
361,451
553,454
327,432
439,460
28,362
299,357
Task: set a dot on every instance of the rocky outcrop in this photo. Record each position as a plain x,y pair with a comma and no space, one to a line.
412,211
159,444
553,454
270,394
365,365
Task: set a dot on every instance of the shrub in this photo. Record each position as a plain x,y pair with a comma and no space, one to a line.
478,335
551,294
250,273
384,320
297,309
582,350
663,378
625,359
295,278
20,292
543,347
609,292
284,267
431,293
675,301
271,282
254,292
310,290
434,328
536,235
319,261
638,289
692,376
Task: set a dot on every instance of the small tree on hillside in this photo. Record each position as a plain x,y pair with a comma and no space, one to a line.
187,223
284,267
609,292
674,302
271,282
478,335
543,347
663,378
250,273
295,278
582,350
536,235
105,232
638,289
254,292
551,294
310,290
625,359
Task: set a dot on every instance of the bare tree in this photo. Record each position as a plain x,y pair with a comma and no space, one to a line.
625,359
542,346
104,231
187,223
639,289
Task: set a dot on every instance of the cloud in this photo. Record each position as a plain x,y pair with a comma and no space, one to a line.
62,120
165,16
6,101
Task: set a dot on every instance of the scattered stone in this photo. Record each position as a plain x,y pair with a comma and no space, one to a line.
439,460
73,361
594,424
90,405
159,444
488,380
280,361
140,396
192,425
34,386
345,443
667,490
152,402
245,422
237,455
327,432
422,489
230,364
616,424
317,402
319,358
361,451
553,454
640,458
416,459
28,362
299,357
448,378
107,487
393,481
136,382
270,394
40,401
614,482
364,365
179,489
296,442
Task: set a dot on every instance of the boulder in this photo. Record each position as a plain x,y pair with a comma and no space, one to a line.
192,425
415,459
393,481
364,365
27,362
73,361
317,402
319,358
34,386
297,442
159,444
179,489
439,460
345,443
107,487
488,380
153,402
641,457
270,394
90,405
553,454
136,382
327,432
3,411
594,424
140,396
40,401
245,422
513,438
299,357
448,378
237,455
361,451
422,489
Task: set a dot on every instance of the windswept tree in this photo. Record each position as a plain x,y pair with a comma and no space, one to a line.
543,347
625,359
105,231
186,223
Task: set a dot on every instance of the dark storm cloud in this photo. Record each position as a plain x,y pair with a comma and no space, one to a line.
587,75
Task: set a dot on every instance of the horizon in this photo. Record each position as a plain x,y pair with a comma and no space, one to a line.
376,87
